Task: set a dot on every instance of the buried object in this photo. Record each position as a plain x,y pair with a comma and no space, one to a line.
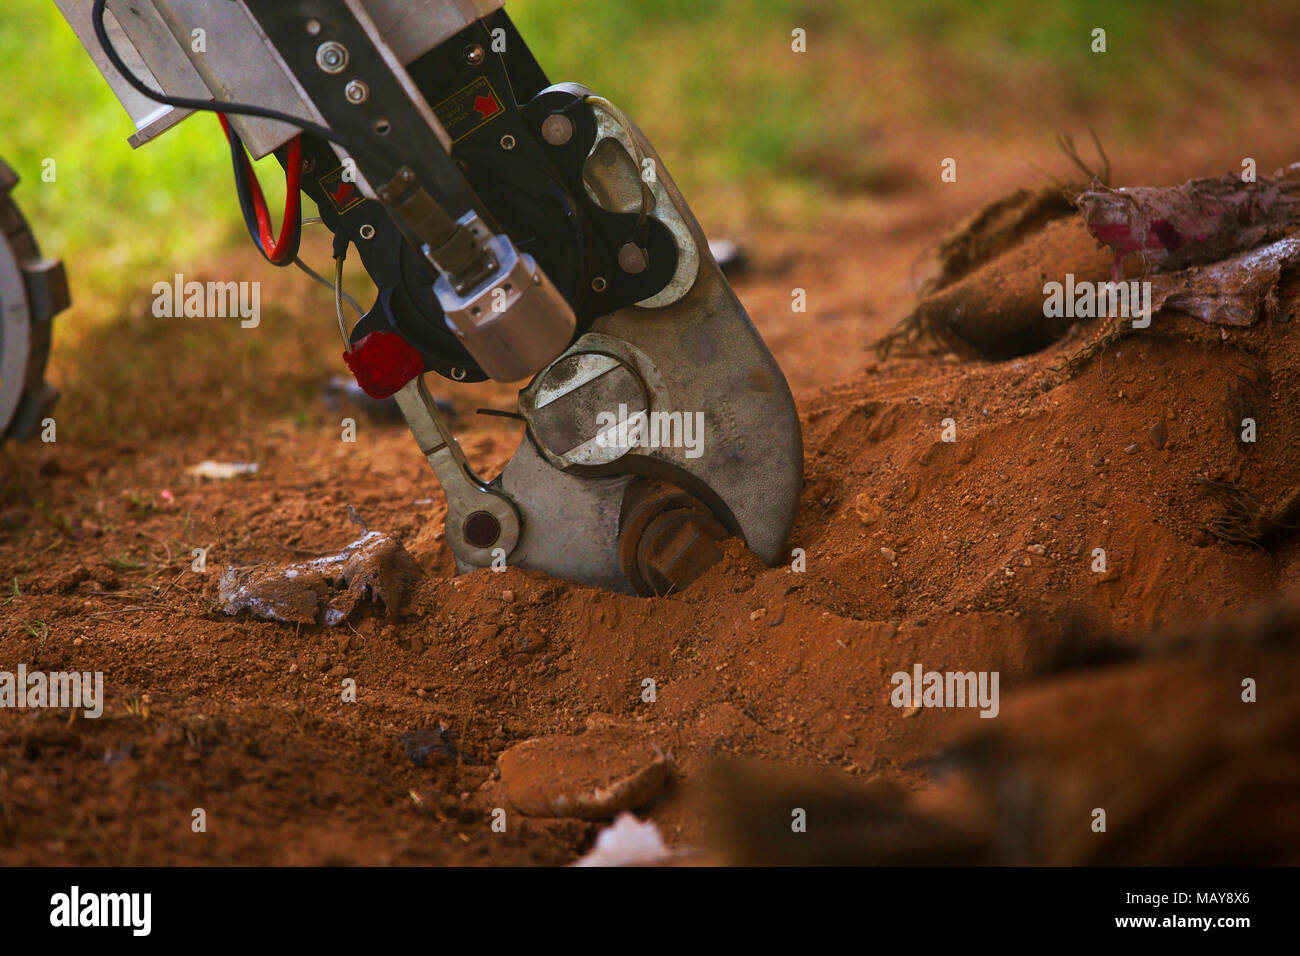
1215,249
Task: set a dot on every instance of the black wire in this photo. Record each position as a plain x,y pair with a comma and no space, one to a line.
243,189
239,109
498,413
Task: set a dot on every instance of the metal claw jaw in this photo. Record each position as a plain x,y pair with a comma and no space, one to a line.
665,428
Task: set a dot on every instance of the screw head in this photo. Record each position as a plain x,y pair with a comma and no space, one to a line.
557,129
474,54
357,92
332,57
632,259
367,231
508,142
599,284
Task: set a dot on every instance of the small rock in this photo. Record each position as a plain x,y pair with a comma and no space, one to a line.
1132,449
1036,549
72,579
592,776
1159,435
508,596
888,554
530,643
867,509
758,614
423,744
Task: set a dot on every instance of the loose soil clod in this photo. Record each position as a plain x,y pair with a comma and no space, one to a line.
596,775
327,590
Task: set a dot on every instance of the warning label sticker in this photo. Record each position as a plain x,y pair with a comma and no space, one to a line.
469,109
343,195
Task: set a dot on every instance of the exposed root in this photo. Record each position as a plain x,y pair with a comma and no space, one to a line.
1066,142
1246,521
1245,395
1110,332
913,332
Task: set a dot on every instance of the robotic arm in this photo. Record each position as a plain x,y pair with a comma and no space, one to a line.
515,229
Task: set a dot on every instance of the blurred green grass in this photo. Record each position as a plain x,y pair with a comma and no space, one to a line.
713,82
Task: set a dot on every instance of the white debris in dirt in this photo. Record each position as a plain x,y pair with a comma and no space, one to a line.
628,842
731,257
327,590
222,470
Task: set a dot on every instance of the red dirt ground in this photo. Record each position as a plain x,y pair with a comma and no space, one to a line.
974,555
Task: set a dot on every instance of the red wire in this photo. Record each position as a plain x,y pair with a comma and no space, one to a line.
277,250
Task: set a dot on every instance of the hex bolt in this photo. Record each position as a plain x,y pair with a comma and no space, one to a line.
557,129
668,539
357,92
677,548
332,57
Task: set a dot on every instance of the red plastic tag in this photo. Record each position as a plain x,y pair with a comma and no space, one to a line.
382,363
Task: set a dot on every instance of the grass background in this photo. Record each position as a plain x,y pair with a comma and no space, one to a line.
714,83
764,143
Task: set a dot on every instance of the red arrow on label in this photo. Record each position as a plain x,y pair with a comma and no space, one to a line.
486,106
344,193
